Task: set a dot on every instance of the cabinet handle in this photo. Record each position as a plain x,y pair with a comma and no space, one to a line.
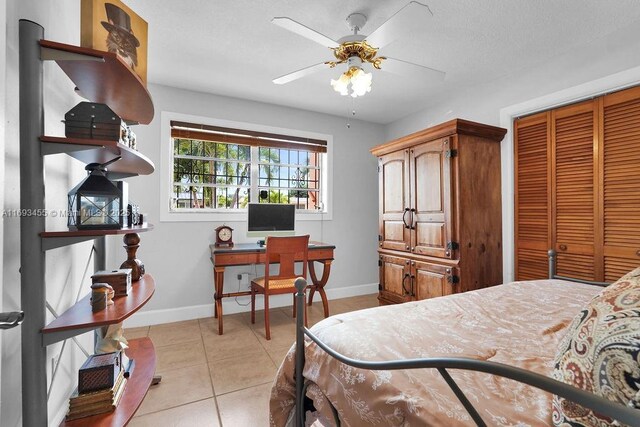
638,253
413,221
563,247
413,288
404,215
404,279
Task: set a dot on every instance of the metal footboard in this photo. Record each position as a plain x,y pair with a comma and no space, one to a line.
596,403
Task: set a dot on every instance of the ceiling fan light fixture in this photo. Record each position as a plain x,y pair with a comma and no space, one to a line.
342,84
357,78
360,83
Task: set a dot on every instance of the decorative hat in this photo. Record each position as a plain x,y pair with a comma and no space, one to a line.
119,21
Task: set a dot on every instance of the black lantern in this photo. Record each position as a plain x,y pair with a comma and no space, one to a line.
96,203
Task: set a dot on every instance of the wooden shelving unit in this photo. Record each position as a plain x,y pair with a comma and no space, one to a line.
58,239
104,78
96,233
79,318
131,163
142,351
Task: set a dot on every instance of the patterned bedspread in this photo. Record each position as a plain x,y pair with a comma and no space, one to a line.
519,324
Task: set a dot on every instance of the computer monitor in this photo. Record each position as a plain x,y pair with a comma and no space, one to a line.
271,219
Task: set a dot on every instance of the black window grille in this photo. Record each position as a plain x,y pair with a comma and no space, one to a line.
213,168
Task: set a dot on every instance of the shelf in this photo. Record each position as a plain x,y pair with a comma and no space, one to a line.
103,77
142,351
80,319
131,163
57,239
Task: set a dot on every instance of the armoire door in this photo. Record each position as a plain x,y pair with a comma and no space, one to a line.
620,163
394,199
395,278
574,180
431,198
532,198
432,280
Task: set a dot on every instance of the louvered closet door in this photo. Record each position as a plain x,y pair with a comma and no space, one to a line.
532,214
575,204
621,182
393,187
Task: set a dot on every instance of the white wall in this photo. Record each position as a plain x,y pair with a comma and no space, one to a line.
64,267
600,60
177,253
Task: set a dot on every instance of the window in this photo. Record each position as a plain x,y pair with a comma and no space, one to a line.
222,169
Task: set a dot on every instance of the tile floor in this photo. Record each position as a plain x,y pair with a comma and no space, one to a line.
211,380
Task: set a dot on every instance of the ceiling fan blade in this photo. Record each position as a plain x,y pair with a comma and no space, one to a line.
304,31
298,74
404,22
409,69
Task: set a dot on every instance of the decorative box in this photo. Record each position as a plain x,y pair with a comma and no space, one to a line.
120,280
99,372
94,121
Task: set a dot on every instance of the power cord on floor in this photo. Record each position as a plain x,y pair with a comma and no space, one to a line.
236,298
240,285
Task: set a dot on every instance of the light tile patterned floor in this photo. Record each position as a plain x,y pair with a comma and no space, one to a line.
210,380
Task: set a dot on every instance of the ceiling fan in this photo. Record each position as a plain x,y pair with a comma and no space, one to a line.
357,50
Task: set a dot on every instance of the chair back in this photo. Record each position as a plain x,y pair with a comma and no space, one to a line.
285,251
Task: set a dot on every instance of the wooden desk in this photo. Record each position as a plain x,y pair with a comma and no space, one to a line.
252,253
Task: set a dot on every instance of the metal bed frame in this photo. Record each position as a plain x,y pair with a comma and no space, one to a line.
596,403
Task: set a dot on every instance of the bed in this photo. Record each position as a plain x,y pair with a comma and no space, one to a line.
515,325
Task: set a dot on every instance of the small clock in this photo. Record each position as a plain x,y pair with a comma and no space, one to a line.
224,236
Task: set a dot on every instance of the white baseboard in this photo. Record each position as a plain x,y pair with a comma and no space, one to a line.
229,306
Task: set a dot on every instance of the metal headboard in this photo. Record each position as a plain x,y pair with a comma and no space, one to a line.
552,272
596,403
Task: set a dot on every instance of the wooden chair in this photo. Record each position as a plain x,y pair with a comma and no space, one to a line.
283,251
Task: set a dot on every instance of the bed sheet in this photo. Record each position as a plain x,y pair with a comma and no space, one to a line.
519,324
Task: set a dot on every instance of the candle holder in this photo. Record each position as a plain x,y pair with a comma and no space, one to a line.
131,245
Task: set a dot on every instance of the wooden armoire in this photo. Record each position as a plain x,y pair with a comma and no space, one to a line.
439,211
577,188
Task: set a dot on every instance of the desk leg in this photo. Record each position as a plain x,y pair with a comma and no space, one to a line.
318,285
218,277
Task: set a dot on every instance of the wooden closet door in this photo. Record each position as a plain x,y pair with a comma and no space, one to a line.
621,182
394,200
575,201
431,225
532,196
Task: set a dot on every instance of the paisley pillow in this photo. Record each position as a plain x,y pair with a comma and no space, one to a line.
601,353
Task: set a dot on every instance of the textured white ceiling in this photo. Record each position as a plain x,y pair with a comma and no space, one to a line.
230,47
